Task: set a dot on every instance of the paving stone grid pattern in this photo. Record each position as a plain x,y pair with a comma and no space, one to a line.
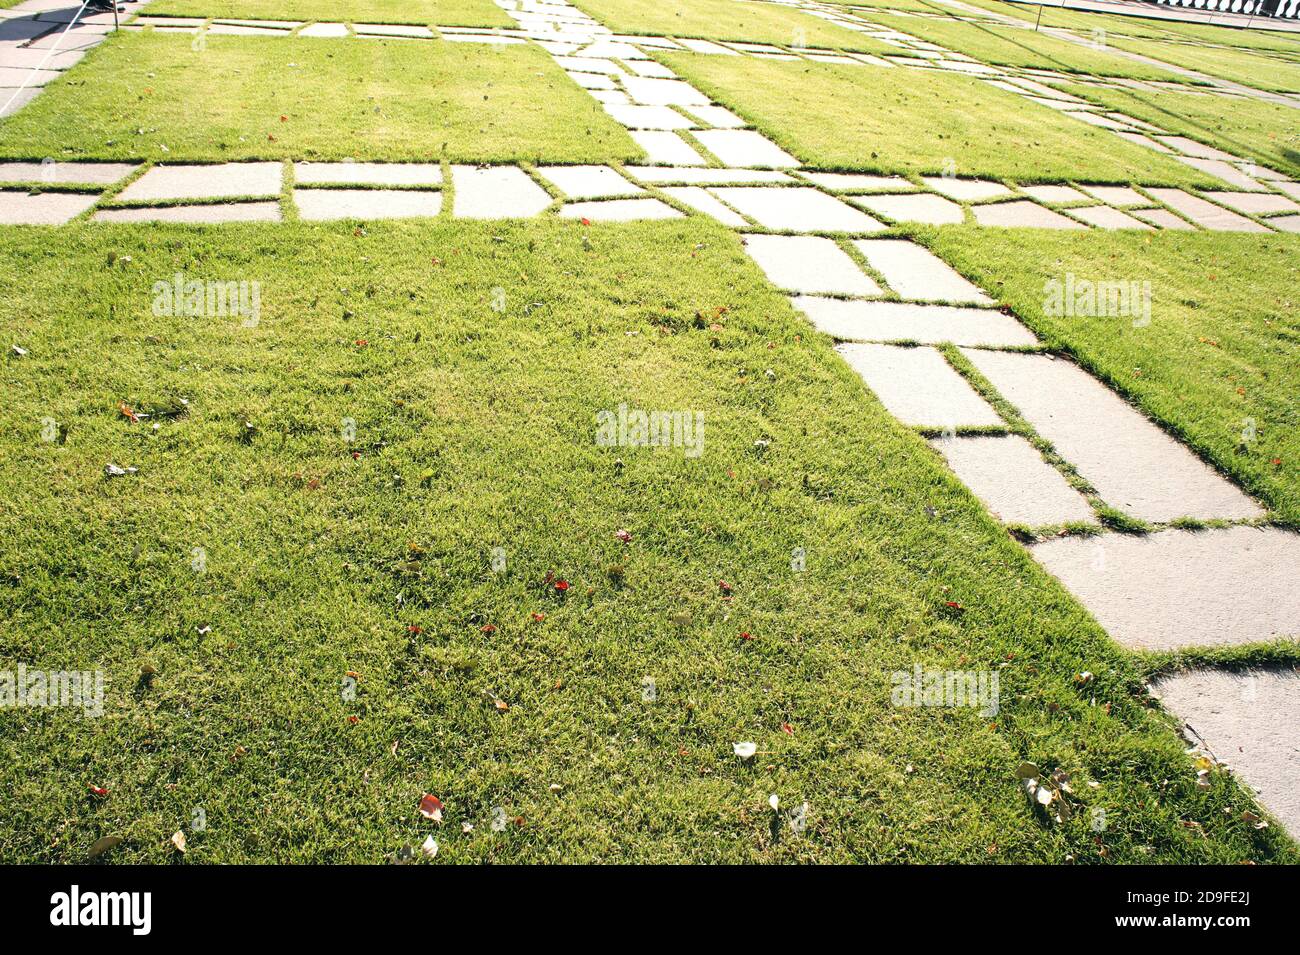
892,307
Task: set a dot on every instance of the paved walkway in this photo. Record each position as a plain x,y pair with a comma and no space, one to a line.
934,348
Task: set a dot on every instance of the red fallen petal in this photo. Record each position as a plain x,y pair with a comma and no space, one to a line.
414,628
561,585
431,807
539,617
489,628
354,720
787,729
586,221
953,604
98,790
745,635
624,536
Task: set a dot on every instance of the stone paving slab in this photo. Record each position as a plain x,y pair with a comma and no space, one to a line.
367,173
648,117
705,46
81,173
1134,465
1190,147
1117,195
13,78
206,182
908,322
744,147
1179,588
650,68
1286,223
1104,217
592,81
48,208
804,263
1014,482
197,215
1205,214
1164,219
619,210
700,199
1254,203
653,92
915,272
666,147
918,387
966,190
858,182
706,177
588,182
323,204
586,64
797,209
1248,721
914,207
392,29
1292,189
1021,213
1054,194
25,58
1223,170
496,192
324,30
716,116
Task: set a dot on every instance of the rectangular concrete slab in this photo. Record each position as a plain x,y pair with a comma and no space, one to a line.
700,199
706,177
1254,203
1246,720
1134,465
966,190
858,182
1177,588
655,92
213,214
1117,195
716,116
797,209
805,263
1205,214
1009,475
496,192
1054,195
619,210
324,204
48,208
1022,213
908,322
588,182
1104,217
81,173
918,387
367,173
222,181
1164,219
744,147
648,117
915,272
915,207
666,147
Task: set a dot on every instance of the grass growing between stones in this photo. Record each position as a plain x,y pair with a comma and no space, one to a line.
879,119
727,20
1012,46
474,429
1259,70
450,13
1219,361
151,96
1247,128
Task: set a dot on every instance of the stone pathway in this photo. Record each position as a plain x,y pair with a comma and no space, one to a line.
934,348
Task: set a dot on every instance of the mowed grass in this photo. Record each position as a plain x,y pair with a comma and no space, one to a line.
326,560
451,13
1258,70
879,119
727,20
1248,128
152,96
1259,37
1012,46
1222,349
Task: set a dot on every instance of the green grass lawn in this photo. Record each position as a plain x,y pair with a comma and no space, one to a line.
1249,128
727,20
269,98
1258,70
900,120
920,6
450,13
326,560
1257,38
1011,46
1223,345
